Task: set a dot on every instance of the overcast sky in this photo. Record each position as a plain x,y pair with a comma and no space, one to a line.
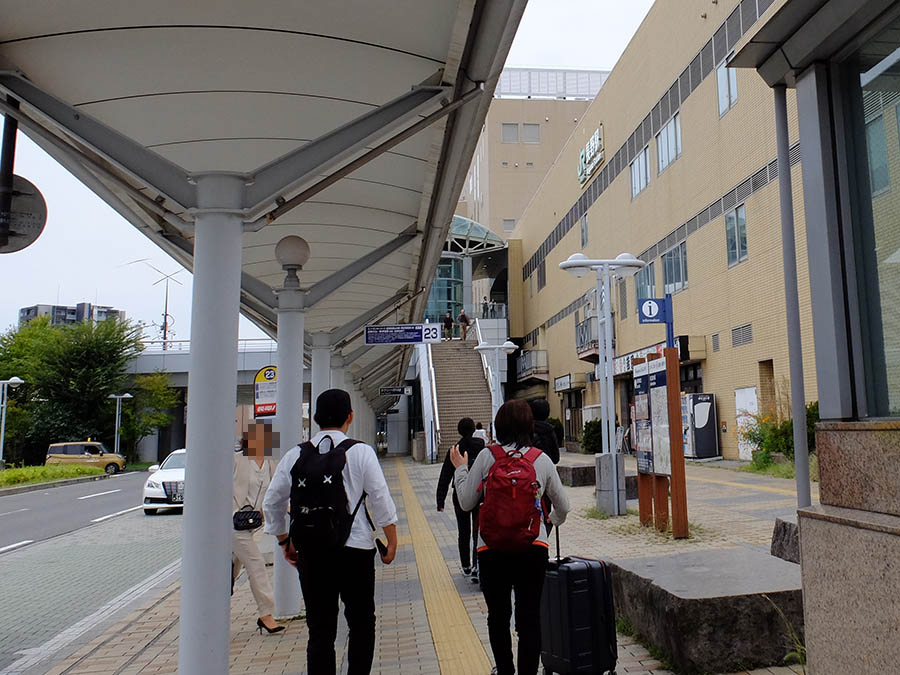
84,251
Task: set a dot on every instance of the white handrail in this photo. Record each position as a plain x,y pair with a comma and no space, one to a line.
496,396
436,441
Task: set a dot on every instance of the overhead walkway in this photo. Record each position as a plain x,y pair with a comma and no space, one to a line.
219,130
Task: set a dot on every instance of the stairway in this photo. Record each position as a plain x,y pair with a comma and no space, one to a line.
462,390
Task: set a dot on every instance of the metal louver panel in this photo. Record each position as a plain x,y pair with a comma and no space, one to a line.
696,75
674,99
760,179
664,113
702,218
684,83
763,5
706,60
729,201
715,342
681,234
872,105
748,14
715,209
744,190
691,226
742,335
647,131
733,24
720,48
773,170
794,155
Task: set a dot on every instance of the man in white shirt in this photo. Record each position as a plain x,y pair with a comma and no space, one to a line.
348,572
480,433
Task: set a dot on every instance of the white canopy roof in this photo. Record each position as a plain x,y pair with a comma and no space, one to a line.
135,98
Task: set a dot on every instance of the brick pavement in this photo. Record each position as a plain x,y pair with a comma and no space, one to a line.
729,510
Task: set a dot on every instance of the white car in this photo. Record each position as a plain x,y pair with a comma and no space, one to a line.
164,488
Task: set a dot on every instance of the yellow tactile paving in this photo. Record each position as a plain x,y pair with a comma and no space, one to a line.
459,650
748,486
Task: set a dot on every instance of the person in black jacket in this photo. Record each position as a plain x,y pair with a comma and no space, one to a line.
467,521
544,433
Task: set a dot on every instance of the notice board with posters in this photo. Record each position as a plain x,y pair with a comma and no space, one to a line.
643,436
659,416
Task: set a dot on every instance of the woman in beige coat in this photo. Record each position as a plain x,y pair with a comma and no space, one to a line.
254,467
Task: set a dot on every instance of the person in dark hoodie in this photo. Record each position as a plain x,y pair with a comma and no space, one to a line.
467,521
544,433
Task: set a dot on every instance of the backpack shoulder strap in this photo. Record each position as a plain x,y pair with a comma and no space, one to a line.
346,444
532,454
497,451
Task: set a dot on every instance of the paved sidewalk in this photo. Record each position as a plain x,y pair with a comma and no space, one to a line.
430,618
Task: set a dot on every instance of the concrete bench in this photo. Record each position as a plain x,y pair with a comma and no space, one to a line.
585,474
707,610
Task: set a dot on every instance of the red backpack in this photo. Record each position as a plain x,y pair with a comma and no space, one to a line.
510,518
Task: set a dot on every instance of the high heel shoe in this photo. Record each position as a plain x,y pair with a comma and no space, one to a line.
260,625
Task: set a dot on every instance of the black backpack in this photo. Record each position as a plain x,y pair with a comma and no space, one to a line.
320,518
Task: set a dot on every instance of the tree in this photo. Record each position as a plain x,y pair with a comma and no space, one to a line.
147,411
69,373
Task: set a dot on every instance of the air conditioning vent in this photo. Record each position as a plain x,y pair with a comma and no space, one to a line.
715,342
742,335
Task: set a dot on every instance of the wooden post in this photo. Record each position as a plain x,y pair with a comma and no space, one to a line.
680,529
661,502
645,498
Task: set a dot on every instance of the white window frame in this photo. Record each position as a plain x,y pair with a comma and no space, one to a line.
675,286
508,125
640,172
726,87
668,143
524,136
509,224
644,279
732,222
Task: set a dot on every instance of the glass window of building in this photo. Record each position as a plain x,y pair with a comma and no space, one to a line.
446,290
640,172
509,224
531,133
726,79
644,284
542,275
668,143
675,277
584,231
872,75
736,235
876,144
623,299
509,133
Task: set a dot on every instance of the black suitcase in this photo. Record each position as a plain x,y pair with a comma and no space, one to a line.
578,620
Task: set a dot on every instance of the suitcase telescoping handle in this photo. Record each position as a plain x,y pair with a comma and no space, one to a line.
557,543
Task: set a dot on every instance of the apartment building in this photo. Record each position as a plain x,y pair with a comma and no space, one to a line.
674,162
64,314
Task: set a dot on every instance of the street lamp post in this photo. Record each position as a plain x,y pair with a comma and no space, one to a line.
622,265
5,386
119,398
507,347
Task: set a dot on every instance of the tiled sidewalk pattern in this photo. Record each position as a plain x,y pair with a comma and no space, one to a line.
724,515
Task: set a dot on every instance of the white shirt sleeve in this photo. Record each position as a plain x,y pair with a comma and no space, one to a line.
278,496
380,503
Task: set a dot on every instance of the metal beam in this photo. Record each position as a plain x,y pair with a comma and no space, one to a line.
331,283
351,327
145,166
356,354
374,367
299,168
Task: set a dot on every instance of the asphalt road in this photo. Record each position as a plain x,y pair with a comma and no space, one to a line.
35,516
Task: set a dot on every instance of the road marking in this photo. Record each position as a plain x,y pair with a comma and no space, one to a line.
117,513
99,494
748,486
9,513
458,647
12,546
36,655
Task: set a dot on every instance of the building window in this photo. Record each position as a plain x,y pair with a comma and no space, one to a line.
509,224
736,235
675,276
640,172
879,177
542,275
584,230
531,133
668,143
726,78
623,300
531,286
644,284
509,133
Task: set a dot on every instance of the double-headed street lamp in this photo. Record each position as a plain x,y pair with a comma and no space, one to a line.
119,398
624,265
5,386
507,347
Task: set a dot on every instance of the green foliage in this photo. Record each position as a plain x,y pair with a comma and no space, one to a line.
557,429
595,513
69,373
771,434
798,653
42,474
624,626
592,437
147,411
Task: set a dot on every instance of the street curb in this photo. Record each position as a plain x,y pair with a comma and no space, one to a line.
4,492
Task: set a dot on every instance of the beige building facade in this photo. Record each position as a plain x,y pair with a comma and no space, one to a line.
674,162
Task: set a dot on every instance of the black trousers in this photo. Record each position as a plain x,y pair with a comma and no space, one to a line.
503,574
347,575
467,527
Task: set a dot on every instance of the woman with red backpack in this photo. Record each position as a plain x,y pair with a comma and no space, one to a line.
512,543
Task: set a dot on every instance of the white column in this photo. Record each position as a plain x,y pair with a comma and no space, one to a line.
321,371
609,409
289,405
205,567
337,372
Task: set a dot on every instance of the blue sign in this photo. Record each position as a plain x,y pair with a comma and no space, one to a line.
403,334
652,310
